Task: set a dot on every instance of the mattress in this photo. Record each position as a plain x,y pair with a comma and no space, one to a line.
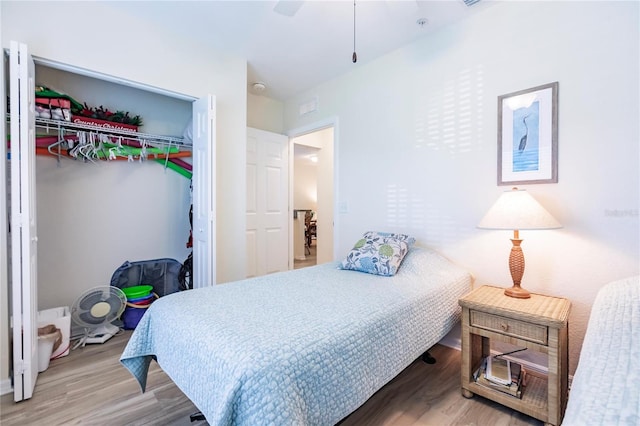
302,347
606,386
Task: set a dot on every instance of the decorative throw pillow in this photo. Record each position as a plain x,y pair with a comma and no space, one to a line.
377,253
402,237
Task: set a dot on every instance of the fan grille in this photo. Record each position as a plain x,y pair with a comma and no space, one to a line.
98,306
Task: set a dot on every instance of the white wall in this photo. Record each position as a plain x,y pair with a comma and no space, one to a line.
305,185
153,55
418,135
265,113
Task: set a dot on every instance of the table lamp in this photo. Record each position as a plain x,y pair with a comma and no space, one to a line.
517,209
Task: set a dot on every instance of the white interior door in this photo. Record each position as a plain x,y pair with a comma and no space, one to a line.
267,202
24,240
204,192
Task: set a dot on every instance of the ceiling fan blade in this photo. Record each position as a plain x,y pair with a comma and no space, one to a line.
288,7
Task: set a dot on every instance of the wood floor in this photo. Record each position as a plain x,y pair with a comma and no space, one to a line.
90,387
310,257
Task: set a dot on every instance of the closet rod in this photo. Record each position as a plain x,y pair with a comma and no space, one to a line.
57,125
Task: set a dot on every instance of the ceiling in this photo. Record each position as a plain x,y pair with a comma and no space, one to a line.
290,54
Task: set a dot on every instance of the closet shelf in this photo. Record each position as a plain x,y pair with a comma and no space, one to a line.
67,125
58,125
87,144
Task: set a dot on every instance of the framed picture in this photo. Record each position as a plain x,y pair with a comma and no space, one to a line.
528,136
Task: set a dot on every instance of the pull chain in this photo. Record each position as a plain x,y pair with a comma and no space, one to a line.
354,58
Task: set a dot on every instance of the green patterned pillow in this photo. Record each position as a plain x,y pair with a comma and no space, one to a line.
402,237
377,253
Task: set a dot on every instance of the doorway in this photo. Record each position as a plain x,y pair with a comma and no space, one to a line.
305,205
313,195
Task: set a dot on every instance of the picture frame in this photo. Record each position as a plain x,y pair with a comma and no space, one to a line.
528,136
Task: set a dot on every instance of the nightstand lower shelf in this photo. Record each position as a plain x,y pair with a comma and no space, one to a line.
534,400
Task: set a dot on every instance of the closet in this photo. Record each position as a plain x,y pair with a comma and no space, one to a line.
73,221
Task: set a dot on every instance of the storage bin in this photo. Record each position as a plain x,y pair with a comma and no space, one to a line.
134,311
61,318
47,337
53,109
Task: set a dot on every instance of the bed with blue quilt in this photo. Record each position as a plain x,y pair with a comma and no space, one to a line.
606,385
302,347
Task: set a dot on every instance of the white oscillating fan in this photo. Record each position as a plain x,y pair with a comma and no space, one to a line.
95,309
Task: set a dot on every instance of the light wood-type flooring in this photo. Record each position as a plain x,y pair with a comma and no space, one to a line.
310,257
90,387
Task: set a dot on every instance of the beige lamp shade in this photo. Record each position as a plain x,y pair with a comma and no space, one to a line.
516,210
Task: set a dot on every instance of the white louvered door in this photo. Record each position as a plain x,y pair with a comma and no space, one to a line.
24,239
204,192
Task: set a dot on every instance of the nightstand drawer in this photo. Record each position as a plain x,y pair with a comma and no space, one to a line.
523,330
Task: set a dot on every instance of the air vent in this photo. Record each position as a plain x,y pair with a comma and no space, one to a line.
470,2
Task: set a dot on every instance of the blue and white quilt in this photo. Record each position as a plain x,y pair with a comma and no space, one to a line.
303,347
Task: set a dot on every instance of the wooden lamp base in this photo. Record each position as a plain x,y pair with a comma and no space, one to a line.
517,292
516,267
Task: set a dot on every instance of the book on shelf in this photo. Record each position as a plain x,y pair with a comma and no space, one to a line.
498,370
487,372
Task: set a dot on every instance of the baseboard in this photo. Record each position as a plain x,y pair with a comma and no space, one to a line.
452,342
5,387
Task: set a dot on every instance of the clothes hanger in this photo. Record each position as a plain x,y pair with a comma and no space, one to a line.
57,144
73,152
143,151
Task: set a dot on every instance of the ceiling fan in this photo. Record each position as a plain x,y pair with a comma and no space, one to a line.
291,7
288,7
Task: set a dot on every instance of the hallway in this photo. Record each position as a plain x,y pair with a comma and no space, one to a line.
310,258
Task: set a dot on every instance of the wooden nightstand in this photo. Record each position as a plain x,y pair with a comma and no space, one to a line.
539,323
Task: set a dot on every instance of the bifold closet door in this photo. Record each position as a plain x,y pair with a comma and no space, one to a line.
204,192
24,239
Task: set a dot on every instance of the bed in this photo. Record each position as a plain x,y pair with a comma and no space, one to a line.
303,347
606,385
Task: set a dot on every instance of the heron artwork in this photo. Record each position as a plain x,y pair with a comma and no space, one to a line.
523,139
